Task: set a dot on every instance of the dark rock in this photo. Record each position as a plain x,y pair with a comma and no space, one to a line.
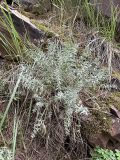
36,6
22,25
29,2
115,129
115,111
104,7
110,139
115,84
25,27
98,140
9,2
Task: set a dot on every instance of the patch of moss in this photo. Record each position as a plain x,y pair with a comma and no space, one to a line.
100,119
43,27
27,14
114,99
99,122
116,75
38,9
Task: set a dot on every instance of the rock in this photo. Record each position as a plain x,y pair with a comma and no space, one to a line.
98,140
115,111
28,4
110,140
22,25
36,6
115,129
104,7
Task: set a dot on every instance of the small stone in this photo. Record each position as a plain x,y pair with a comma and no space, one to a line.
115,111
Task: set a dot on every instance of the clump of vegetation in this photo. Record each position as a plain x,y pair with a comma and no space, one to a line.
44,28
105,154
5,154
106,26
56,78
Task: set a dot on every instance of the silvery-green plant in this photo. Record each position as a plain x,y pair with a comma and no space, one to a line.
100,154
58,76
5,154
